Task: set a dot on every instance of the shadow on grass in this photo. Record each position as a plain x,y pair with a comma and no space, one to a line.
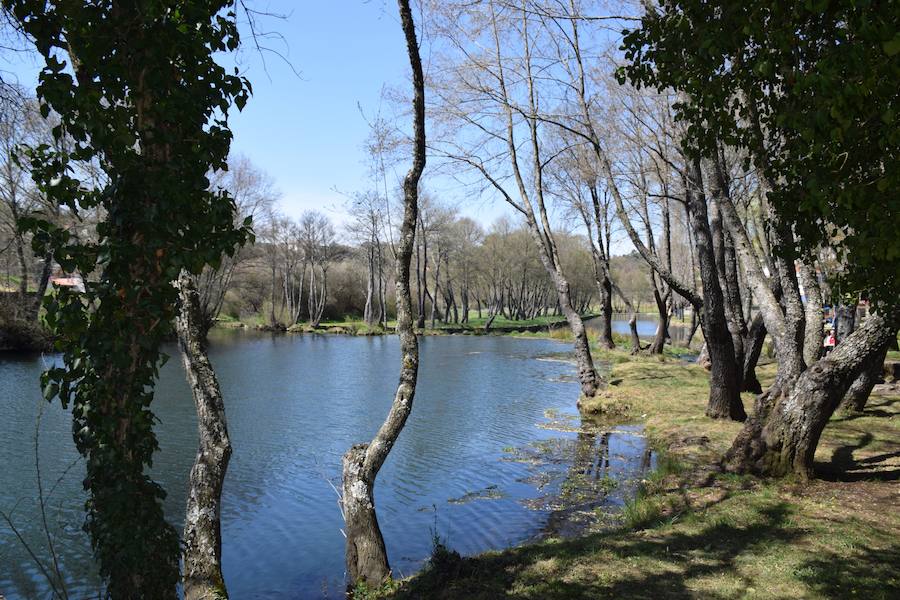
615,565
844,467
874,408
861,573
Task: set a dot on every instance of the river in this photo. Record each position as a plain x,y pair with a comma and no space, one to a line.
481,463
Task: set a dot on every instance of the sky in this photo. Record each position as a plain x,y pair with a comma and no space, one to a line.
306,128
303,126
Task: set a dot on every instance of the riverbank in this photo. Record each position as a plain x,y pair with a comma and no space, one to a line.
475,326
23,336
551,326
694,532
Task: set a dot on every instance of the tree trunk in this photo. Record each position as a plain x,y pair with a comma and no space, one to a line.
844,321
783,441
724,385
23,266
46,271
695,323
587,374
202,526
662,328
858,394
366,557
369,310
632,320
814,332
605,337
753,348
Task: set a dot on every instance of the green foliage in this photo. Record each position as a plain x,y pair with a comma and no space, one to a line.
809,90
137,93
363,591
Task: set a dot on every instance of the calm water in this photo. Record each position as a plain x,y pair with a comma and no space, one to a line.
483,458
646,328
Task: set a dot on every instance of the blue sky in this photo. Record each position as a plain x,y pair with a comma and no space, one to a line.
306,130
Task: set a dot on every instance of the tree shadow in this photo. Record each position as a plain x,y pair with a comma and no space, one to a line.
860,573
882,407
844,467
545,571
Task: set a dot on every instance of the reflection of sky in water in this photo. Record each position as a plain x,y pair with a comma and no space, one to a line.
646,327
294,404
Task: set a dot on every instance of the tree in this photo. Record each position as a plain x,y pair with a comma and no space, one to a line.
770,81
202,524
366,227
254,196
491,98
317,240
21,124
582,122
139,93
367,559
578,184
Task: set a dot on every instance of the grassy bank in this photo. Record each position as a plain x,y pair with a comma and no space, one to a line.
696,533
353,326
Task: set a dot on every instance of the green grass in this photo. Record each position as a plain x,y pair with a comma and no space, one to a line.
11,284
693,532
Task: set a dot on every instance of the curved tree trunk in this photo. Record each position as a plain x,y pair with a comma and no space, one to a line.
695,323
784,440
366,556
202,525
753,346
662,328
858,394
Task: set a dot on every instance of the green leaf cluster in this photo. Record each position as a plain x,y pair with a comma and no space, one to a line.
138,96
809,90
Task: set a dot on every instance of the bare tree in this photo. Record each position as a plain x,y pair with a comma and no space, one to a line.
202,535
490,97
255,196
367,559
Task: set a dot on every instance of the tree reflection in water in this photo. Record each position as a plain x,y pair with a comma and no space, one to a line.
586,478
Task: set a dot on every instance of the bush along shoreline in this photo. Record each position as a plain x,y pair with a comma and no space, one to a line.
17,335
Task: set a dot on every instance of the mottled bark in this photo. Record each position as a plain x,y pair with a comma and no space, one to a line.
858,395
783,440
781,323
366,556
814,332
587,374
202,576
737,324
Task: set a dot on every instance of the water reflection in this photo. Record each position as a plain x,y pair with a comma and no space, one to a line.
294,404
603,467
678,329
